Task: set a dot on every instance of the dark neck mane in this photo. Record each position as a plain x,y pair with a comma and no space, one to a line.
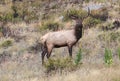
78,30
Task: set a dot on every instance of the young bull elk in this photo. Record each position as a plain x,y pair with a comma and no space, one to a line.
62,38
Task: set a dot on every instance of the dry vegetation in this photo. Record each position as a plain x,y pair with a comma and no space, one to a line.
96,57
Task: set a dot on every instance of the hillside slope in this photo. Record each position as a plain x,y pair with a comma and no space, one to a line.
23,22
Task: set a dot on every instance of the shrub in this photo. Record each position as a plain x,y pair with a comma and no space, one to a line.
110,36
80,13
15,13
65,63
107,26
31,17
6,43
6,17
101,14
55,64
51,25
35,47
110,25
108,58
115,36
78,57
88,22
22,11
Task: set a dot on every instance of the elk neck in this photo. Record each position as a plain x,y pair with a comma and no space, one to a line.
78,30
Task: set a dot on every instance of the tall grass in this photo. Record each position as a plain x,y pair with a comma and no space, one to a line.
78,57
64,63
6,43
59,64
108,58
50,25
77,12
119,53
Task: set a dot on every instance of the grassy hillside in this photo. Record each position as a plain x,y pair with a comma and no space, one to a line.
96,57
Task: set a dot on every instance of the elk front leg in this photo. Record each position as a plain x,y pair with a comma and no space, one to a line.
70,51
43,54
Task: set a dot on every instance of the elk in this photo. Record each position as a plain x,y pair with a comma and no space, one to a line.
63,38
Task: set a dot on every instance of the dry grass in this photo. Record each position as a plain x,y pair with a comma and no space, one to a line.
31,71
87,73
27,66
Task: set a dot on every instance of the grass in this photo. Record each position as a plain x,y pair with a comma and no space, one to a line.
91,22
117,79
108,58
31,70
62,64
6,43
78,57
50,25
110,36
71,12
119,53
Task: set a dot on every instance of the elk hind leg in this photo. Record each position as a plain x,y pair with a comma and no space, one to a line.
49,50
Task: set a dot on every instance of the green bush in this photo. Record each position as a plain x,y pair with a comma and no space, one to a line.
108,58
6,43
55,64
80,13
65,63
88,22
78,57
6,17
51,25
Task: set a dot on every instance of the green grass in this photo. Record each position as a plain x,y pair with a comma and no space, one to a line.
50,25
108,58
56,64
64,63
119,53
89,22
71,12
78,57
6,43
